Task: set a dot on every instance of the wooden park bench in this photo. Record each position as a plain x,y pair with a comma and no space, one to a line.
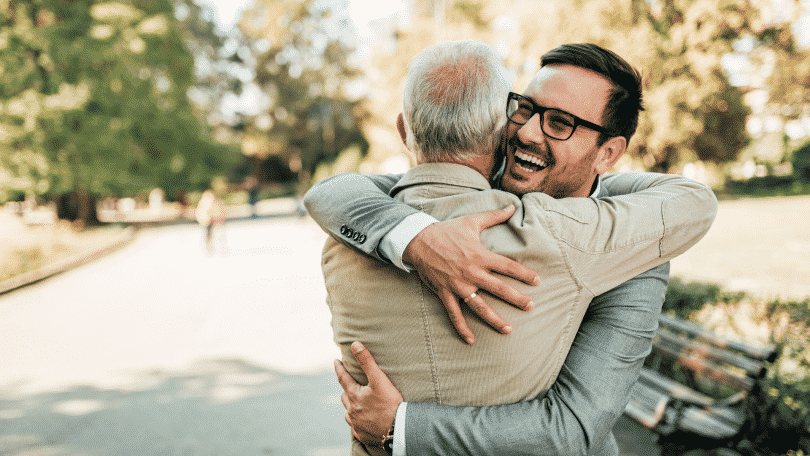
696,383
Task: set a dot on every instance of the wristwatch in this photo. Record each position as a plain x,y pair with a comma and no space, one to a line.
388,441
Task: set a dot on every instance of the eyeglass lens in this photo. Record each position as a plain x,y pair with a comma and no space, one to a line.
556,124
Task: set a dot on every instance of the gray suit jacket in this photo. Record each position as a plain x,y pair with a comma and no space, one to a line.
576,415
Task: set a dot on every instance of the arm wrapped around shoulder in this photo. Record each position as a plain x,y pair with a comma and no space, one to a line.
687,218
355,209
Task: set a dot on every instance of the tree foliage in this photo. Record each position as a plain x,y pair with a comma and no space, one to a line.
302,51
94,97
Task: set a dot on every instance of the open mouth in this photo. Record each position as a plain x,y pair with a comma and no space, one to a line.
529,163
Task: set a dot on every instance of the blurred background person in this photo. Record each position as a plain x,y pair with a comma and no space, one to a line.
210,212
252,187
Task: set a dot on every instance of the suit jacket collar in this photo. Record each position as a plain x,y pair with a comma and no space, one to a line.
442,173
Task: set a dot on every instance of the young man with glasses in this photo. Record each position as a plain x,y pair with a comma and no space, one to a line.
561,154
581,247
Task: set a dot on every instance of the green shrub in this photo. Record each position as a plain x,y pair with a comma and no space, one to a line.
765,186
801,163
780,412
682,298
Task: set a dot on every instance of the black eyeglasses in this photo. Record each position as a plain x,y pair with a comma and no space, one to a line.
555,123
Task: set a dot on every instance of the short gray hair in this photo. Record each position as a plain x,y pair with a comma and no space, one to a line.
455,101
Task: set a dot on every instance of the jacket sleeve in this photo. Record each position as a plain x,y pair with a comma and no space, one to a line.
356,210
576,415
609,240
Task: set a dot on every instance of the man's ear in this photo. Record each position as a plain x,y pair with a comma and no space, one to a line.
401,129
611,151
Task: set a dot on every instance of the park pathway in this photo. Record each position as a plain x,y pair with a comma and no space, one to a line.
761,246
161,349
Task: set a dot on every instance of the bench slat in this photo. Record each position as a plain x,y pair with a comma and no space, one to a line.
754,369
705,366
709,423
674,389
663,405
767,353
647,406
701,415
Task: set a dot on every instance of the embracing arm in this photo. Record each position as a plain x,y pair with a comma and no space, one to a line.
356,210
609,240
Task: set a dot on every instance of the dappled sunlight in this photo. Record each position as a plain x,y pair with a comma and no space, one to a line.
79,407
161,301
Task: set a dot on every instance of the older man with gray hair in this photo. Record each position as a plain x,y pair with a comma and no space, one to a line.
453,113
464,85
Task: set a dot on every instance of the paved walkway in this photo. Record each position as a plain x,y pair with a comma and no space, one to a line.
159,348
758,245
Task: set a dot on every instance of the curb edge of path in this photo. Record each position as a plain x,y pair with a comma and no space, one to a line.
30,277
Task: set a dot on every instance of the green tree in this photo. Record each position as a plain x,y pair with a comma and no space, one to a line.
302,51
104,89
695,111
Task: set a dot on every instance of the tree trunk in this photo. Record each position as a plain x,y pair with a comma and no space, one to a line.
81,205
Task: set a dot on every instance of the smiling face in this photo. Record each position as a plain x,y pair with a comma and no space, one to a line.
538,163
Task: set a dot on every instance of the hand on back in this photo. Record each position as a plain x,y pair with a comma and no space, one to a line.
370,409
451,260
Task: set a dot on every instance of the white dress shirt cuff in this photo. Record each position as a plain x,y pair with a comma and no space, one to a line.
399,430
393,244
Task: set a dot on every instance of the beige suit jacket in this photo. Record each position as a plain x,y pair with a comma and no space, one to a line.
580,247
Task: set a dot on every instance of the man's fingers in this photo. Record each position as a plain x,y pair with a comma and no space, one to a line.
488,219
373,372
344,378
494,285
488,314
344,399
513,269
456,317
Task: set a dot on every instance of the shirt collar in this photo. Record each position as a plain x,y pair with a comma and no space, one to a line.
598,187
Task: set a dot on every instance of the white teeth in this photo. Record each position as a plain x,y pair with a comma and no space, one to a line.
529,158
